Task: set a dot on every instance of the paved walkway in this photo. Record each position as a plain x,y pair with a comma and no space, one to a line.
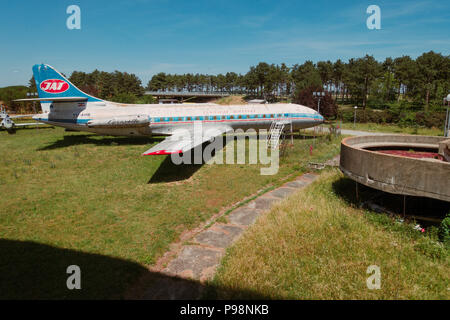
363,133
198,256
355,132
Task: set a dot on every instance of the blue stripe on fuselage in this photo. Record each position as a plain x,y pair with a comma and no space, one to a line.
184,119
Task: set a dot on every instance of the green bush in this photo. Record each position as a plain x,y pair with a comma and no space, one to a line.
124,98
444,230
430,248
397,113
374,116
147,99
378,116
407,119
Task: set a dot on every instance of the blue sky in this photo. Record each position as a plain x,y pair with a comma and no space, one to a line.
149,36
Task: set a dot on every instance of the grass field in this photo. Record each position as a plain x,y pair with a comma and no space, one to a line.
76,198
318,244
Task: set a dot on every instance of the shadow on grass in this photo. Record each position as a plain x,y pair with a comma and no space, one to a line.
171,172
414,206
30,270
309,135
33,127
70,140
346,189
16,129
168,171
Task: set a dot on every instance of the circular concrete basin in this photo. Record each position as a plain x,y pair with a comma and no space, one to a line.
400,164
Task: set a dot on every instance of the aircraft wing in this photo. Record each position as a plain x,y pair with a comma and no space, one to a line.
184,140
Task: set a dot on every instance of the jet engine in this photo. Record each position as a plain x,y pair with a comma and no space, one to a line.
140,120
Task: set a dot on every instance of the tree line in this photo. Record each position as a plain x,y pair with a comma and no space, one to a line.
421,82
424,80
114,86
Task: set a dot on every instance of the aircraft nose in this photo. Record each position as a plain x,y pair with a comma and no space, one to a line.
320,117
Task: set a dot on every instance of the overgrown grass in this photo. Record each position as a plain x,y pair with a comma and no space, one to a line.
97,195
315,245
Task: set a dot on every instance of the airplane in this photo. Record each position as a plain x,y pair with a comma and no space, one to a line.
9,125
63,104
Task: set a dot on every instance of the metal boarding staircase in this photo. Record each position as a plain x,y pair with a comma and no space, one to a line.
275,132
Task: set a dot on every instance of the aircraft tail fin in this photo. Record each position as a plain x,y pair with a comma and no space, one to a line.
52,84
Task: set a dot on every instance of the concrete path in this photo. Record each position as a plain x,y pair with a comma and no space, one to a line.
199,255
356,132
363,133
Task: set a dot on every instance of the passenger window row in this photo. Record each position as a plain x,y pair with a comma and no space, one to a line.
227,117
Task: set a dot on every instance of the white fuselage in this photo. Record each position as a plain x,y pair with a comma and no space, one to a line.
108,118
